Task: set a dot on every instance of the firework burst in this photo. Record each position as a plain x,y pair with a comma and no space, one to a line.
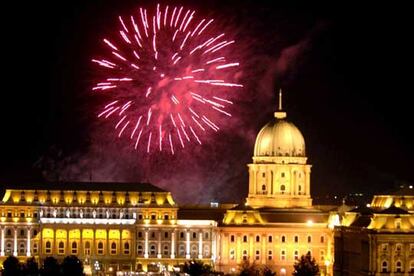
170,78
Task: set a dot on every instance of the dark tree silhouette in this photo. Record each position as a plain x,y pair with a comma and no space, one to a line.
306,266
50,267
31,268
11,266
197,268
253,269
72,266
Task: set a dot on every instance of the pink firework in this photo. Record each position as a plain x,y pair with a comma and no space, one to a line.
170,78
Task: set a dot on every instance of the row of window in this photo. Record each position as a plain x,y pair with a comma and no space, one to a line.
21,233
99,213
113,250
182,235
282,174
385,248
282,239
282,255
398,267
61,250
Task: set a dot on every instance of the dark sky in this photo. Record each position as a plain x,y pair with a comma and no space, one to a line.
345,68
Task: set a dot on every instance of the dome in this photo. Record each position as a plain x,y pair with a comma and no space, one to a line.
279,138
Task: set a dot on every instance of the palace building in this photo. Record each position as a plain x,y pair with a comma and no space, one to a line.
129,227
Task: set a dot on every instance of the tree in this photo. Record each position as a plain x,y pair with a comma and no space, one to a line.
253,269
72,266
306,266
31,268
50,267
197,268
11,266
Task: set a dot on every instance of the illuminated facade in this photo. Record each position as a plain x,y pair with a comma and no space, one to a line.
108,229
133,227
138,227
378,240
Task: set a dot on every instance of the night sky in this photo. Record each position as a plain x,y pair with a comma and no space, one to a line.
345,70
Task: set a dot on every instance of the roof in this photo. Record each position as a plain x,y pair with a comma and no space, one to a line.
201,212
393,210
363,210
87,186
362,221
293,215
279,138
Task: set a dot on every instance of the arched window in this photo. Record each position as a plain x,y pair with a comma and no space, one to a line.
166,250
87,248
296,239
181,250
245,238
282,188
139,250
126,248
8,233
257,255
398,266
257,238
61,248
283,255
283,239
113,248
194,250
74,248
21,248
270,255
100,248
48,247
309,239
244,255
152,250
206,251
412,266
194,235
384,266
270,239
296,254
263,187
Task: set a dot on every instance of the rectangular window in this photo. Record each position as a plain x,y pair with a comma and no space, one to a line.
270,255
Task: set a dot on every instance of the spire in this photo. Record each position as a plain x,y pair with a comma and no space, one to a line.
279,114
280,99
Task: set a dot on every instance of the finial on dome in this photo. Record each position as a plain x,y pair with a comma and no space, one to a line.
279,114
280,99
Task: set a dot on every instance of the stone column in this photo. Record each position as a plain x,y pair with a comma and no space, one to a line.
2,242
28,242
187,247
146,245
173,244
200,245
213,246
15,242
159,255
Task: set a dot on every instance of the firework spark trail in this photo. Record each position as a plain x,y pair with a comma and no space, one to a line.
152,70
